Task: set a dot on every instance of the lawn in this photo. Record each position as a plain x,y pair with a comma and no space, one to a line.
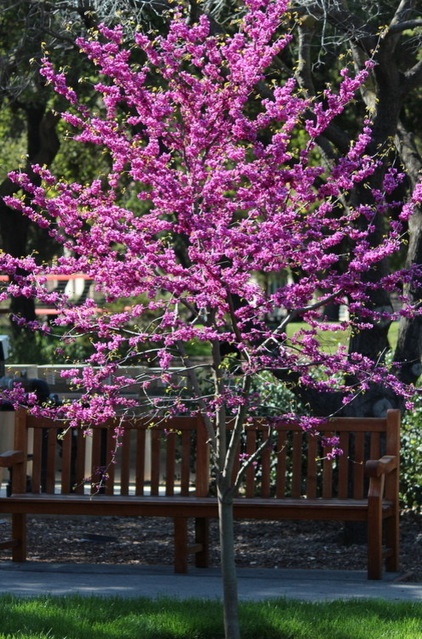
330,340
100,618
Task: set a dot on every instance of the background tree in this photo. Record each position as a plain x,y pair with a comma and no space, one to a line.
391,34
30,127
325,33
226,193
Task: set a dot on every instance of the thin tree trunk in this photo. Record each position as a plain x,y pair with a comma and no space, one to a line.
225,507
228,567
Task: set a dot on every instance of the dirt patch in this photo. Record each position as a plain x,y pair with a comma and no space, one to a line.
149,541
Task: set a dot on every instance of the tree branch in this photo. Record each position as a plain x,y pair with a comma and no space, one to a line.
414,76
406,24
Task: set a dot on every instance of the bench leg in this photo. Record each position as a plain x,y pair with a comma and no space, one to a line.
19,537
392,540
180,544
202,539
374,539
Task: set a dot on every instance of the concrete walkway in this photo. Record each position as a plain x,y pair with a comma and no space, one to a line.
39,578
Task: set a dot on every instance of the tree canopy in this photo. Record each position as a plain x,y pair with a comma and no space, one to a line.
324,32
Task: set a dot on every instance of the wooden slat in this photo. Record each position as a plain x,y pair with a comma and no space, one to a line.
140,461
97,460
66,461
375,446
155,460
50,463
109,459
20,441
124,458
96,451
37,449
343,467
266,467
327,478
355,425
170,449
202,460
81,444
185,456
251,442
393,433
297,464
280,487
311,479
343,424
358,467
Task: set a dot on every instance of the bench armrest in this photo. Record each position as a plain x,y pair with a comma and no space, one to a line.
11,457
383,466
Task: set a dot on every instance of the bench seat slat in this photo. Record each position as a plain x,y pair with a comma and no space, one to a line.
166,506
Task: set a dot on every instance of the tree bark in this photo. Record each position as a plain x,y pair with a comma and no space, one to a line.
42,147
228,564
384,94
408,353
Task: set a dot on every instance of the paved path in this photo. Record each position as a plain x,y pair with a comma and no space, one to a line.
36,578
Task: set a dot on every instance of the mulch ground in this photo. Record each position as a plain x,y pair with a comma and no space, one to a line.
148,541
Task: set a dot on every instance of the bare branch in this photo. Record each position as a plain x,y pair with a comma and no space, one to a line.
336,14
407,24
414,76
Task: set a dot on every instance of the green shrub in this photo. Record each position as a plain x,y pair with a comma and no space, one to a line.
411,458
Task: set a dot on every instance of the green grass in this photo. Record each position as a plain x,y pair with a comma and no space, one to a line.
100,618
330,340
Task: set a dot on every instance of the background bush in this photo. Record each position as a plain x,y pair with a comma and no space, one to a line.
411,458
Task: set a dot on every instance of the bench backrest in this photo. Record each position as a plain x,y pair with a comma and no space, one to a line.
136,456
171,457
295,464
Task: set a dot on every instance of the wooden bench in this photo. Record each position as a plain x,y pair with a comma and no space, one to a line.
151,471
296,480
293,479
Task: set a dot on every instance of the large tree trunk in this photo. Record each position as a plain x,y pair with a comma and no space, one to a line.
42,147
385,92
408,353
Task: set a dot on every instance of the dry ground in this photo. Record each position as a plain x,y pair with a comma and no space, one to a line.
148,541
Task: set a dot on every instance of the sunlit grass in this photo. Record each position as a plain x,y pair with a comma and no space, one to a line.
100,618
331,340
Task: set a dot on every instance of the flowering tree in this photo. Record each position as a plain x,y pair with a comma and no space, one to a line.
226,192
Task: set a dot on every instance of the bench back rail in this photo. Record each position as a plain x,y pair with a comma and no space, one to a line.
295,464
136,457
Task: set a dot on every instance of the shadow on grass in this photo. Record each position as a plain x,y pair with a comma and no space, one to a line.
100,618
